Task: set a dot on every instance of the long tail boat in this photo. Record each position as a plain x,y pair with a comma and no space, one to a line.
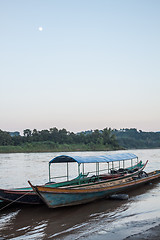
60,197
116,169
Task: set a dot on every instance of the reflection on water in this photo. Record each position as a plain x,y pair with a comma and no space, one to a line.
103,219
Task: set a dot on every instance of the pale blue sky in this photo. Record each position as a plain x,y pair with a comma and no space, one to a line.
96,64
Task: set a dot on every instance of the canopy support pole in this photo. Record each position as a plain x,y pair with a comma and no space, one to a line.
83,170
98,171
112,168
49,172
79,172
112,165
67,172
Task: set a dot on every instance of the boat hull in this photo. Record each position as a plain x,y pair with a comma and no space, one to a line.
60,197
55,200
18,196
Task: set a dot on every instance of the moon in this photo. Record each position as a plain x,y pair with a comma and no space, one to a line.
40,29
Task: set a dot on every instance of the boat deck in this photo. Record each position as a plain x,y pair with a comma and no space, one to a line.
101,184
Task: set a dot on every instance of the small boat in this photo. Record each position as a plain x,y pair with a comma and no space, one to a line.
28,196
20,195
60,197
114,167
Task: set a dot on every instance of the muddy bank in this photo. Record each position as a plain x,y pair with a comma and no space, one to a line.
152,234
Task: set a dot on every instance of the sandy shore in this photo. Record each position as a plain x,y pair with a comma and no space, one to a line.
152,234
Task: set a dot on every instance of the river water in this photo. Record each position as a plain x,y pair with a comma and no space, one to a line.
102,219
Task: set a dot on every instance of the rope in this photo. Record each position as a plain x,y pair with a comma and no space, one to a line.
14,201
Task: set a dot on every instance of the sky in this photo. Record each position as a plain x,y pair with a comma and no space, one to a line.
79,64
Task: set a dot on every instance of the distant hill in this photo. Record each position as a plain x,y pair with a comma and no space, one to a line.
133,138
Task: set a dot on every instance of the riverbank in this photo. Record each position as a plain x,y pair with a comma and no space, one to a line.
152,234
54,147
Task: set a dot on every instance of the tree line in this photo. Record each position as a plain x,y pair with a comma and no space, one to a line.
104,137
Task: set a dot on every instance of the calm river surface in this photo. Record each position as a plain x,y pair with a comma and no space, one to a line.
103,219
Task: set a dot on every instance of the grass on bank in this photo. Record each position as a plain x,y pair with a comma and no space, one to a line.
54,147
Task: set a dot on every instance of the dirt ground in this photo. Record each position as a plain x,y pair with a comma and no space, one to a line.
151,234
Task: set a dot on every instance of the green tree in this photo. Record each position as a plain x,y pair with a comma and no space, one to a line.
63,136
36,135
5,138
27,133
45,135
17,140
54,134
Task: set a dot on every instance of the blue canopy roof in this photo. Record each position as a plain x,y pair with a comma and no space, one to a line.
93,159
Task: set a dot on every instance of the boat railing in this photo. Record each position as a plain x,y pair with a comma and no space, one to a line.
99,170
58,177
87,174
98,173
110,170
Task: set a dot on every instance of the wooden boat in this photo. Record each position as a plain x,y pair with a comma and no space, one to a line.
60,197
20,195
28,196
112,171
